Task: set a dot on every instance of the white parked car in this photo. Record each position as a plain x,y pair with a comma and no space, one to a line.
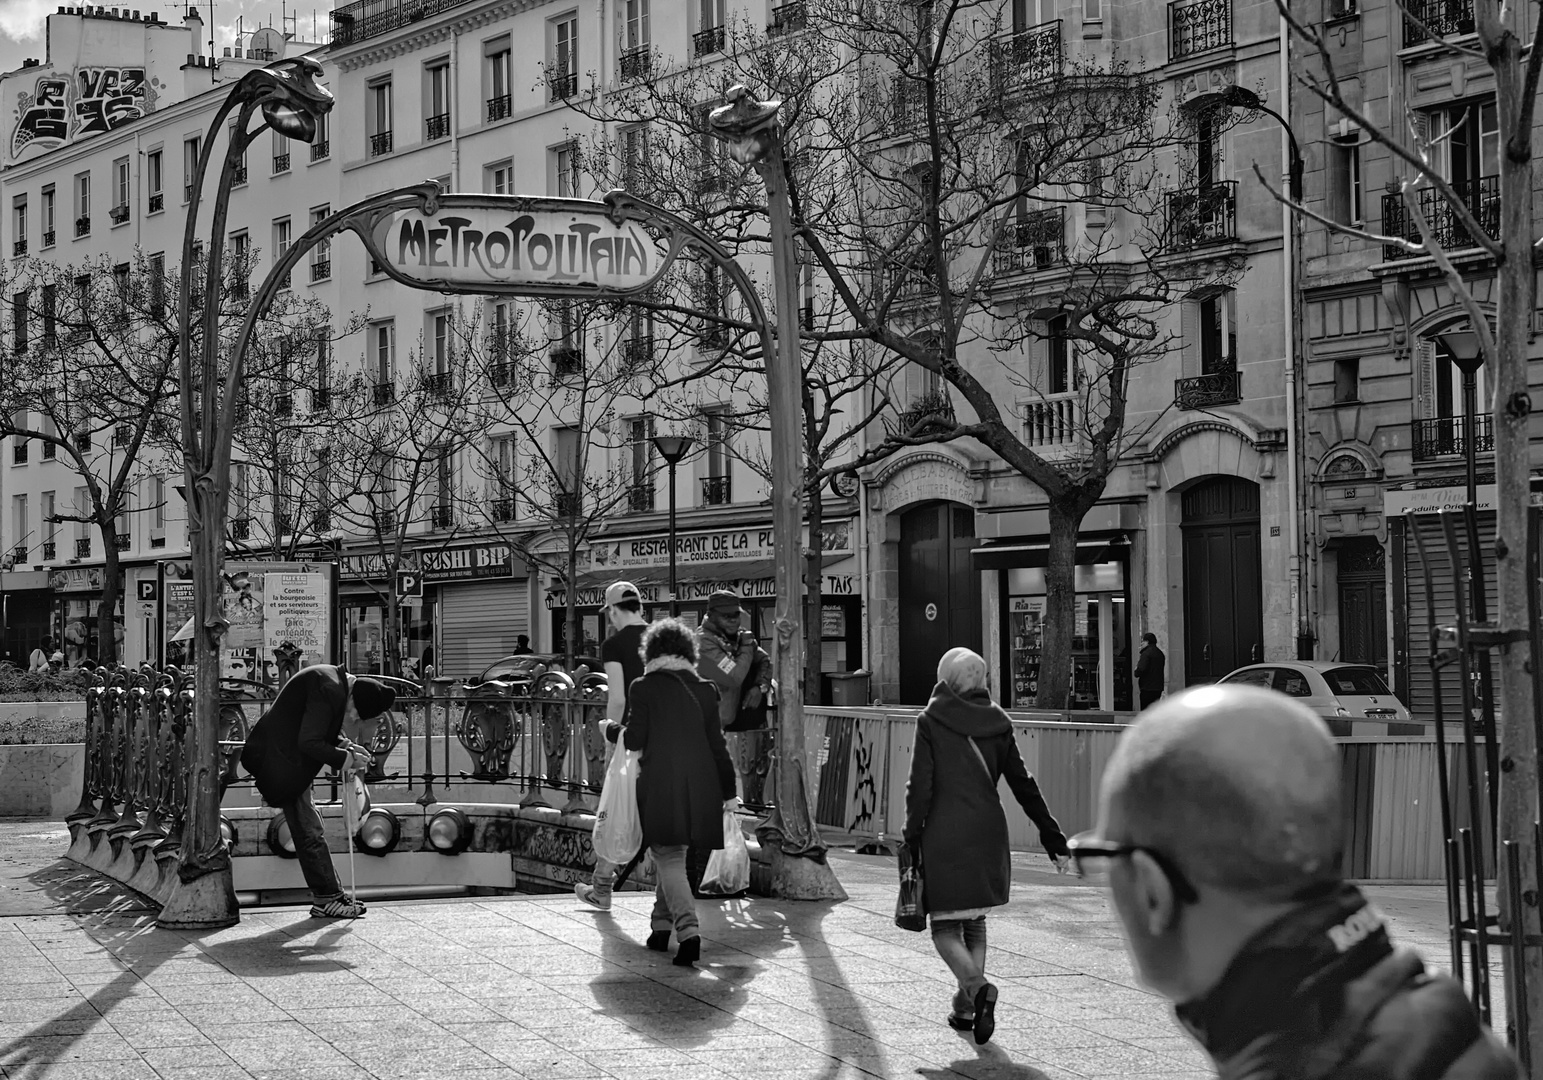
1353,699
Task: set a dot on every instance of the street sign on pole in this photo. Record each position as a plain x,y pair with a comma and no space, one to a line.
409,583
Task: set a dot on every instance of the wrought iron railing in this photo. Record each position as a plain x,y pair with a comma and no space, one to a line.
717,490
567,361
1424,19
640,498
321,400
637,352
383,393
500,107
380,143
635,63
238,175
1197,26
156,204
364,19
1480,197
502,509
786,18
909,104
50,451
123,434
1050,421
567,504
321,269
280,164
240,528
441,516
1036,241
121,541
83,225
19,554
19,248
503,374
436,127
119,214
320,149
1205,215
709,41
83,548
19,451
1447,436
383,521
438,384
562,85
284,405
50,550
1224,387
1027,57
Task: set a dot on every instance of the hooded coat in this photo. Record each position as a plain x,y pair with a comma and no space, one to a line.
952,810
686,774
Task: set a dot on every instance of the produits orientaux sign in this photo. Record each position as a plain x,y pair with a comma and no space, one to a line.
64,106
471,243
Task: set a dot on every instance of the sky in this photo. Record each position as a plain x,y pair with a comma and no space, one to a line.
21,21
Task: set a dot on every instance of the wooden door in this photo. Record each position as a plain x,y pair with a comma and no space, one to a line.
1223,601
939,594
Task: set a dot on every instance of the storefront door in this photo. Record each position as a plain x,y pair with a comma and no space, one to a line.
1223,602
1363,596
939,593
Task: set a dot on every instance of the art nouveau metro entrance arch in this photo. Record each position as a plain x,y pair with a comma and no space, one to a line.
425,238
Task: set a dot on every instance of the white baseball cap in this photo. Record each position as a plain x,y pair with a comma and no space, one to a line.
617,591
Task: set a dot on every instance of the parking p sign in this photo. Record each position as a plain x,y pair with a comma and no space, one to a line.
409,583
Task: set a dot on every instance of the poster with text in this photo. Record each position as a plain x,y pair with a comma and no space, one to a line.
295,611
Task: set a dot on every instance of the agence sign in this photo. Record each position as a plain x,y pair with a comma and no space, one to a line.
481,243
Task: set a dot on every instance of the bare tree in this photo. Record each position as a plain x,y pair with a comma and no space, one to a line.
1439,218
985,211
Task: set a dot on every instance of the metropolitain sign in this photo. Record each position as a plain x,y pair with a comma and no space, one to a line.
478,243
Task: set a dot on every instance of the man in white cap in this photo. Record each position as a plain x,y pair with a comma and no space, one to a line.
622,655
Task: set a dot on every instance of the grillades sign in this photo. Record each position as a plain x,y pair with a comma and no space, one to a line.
474,243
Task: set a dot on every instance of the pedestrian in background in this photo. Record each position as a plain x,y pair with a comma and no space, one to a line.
1221,830
733,660
686,778
954,819
38,661
521,645
622,654
1151,664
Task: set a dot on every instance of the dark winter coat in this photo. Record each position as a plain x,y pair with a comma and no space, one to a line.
298,735
1322,993
952,809
686,774
1150,665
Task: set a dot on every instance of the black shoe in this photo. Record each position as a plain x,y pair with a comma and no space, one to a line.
659,941
689,953
961,1023
985,1014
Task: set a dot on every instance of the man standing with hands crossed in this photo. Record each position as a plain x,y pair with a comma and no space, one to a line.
286,749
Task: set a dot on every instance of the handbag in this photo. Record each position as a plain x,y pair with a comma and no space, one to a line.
910,904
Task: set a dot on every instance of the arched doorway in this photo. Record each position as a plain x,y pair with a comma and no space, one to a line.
939,594
1223,604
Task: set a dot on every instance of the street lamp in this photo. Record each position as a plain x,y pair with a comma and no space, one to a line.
1462,345
1240,97
672,448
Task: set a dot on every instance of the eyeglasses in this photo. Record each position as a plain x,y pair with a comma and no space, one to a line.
1092,855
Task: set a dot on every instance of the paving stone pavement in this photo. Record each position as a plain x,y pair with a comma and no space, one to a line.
505,988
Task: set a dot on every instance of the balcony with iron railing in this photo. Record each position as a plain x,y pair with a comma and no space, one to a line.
640,498
786,18
364,19
83,225
1213,388
50,451
717,490
1480,197
119,214
284,405
19,553
1050,422
50,550
120,541
567,361
1026,57
436,127
280,164
238,175
637,353
383,393
187,192
503,374
502,509
83,441
438,385
123,435
635,64
561,85
1204,215
1425,20
321,400
50,237
1036,241
156,203
441,516
320,149
240,528
321,269
708,41
19,248
908,101
1447,436
566,504
930,413
1198,26
912,282
380,143
19,451
83,547
500,107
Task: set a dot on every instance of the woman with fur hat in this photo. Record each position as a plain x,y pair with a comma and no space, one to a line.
686,776
954,818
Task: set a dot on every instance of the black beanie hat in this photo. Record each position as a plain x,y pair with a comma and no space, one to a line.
372,698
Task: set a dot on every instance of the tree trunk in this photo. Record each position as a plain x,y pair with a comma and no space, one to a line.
107,641
814,564
1055,658
1508,374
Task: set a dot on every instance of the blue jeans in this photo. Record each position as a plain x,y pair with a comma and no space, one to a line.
305,828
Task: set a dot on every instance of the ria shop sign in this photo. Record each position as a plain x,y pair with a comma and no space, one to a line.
506,243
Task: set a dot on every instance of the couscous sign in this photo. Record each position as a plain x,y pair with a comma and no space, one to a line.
478,246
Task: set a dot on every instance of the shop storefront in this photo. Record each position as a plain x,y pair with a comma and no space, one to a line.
28,613
77,592
737,559
363,598
483,598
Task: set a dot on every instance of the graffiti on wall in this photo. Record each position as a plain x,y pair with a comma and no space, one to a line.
88,101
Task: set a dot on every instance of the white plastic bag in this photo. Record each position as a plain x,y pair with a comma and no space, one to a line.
618,829
728,870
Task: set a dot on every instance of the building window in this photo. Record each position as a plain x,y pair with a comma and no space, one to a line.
189,166
640,464
158,284
565,164
83,204
636,59
563,61
1060,379
568,469
1218,335
1347,380
444,487
378,118
321,147
19,528
19,225
1345,180
500,178
121,193
634,155
496,78
321,396
436,103
50,315
19,314
321,254
47,223
501,477
716,441
709,37
50,526
281,157
281,241
382,360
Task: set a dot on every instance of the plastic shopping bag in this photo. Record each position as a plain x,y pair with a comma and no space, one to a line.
618,829
728,870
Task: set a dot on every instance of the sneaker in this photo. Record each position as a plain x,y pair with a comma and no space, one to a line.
341,908
588,895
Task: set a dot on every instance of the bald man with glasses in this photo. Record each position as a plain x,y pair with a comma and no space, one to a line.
1220,830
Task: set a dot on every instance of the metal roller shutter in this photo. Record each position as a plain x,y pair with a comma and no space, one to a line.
478,624
1421,678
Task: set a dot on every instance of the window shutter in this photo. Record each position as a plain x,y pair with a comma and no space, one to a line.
1425,377
1189,320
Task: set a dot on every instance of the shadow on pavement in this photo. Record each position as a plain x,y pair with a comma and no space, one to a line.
990,1063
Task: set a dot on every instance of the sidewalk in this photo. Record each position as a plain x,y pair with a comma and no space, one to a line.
511,987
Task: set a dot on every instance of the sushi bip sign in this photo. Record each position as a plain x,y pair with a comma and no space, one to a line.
502,243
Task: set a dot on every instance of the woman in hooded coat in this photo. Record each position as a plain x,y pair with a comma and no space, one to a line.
954,820
685,779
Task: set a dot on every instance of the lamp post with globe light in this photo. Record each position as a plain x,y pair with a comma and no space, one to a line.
290,102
